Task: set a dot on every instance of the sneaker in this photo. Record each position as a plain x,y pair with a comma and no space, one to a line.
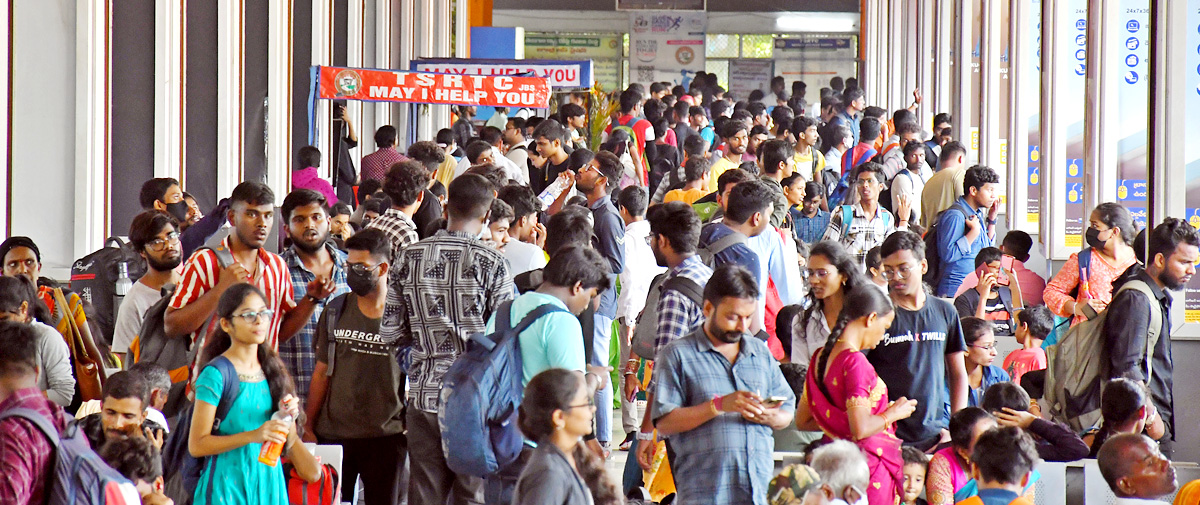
625,444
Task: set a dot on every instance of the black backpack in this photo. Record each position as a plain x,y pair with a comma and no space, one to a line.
94,278
934,275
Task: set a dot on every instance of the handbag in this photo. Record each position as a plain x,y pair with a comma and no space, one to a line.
87,368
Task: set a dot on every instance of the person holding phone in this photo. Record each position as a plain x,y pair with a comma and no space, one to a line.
995,298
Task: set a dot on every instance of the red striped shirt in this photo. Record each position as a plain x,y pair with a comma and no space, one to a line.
203,272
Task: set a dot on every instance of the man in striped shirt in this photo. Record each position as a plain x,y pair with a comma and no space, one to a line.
251,213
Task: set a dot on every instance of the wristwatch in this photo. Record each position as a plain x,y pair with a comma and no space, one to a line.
645,435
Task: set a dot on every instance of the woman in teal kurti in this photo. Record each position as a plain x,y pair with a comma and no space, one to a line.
234,473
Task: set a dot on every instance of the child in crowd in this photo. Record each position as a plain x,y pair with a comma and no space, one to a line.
1054,442
1033,324
139,461
1002,464
874,262
916,463
949,478
1126,408
996,297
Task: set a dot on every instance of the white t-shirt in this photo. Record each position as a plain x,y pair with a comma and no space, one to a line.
523,257
129,316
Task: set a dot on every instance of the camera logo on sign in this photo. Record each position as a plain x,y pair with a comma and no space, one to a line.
347,82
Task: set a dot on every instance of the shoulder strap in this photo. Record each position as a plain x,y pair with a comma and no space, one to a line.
333,313
37,419
230,390
726,242
217,246
687,287
847,219
1156,319
535,314
1084,259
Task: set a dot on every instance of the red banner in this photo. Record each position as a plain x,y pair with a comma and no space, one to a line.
337,83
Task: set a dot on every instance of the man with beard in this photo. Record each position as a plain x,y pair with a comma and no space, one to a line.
1173,252
735,136
311,256
122,413
596,180
719,395
251,215
154,235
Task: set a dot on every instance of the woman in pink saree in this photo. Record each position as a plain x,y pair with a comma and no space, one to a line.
845,398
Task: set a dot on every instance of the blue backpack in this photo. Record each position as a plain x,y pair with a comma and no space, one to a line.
480,396
176,457
80,477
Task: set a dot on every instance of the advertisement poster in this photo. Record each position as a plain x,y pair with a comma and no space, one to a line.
1072,53
666,46
1191,153
338,83
1031,92
561,74
1132,57
816,58
748,75
604,50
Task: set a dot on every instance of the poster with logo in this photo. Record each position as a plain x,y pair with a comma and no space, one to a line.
339,83
561,74
1191,151
605,51
1071,80
1132,56
666,46
1031,93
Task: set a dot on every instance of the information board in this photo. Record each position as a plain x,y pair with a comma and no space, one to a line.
666,46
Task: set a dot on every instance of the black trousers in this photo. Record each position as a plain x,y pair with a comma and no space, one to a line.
380,463
431,481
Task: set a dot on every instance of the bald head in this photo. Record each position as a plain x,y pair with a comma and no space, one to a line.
1134,468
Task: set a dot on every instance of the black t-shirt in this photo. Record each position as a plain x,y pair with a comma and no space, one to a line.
365,394
911,360
429,211
998,310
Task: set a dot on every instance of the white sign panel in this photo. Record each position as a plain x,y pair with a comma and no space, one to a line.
666,46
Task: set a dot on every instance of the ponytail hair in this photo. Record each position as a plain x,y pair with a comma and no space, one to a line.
859,303
277,376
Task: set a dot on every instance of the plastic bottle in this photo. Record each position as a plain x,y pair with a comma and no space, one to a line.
122,286
269,455
551,193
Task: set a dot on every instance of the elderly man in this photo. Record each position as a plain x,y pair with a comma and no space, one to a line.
1135,470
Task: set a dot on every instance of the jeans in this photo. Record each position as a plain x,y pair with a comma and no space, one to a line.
604,398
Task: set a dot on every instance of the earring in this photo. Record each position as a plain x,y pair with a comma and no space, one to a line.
559,426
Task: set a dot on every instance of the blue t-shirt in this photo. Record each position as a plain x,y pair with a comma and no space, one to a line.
911,360
740,254
553,341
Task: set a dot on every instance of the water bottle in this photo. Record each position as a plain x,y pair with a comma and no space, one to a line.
123,285
269,455
551,193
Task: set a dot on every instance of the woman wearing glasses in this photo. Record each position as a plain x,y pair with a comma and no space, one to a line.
832,274
556,413
980,338
233,473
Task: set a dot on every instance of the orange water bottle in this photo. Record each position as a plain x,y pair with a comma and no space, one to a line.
269,455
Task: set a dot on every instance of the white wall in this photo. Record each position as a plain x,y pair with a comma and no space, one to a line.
718,22
43,129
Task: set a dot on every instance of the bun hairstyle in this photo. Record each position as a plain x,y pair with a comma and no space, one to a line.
278,379
859,303
550,391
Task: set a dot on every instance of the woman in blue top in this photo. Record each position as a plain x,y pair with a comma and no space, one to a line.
232,473
981,353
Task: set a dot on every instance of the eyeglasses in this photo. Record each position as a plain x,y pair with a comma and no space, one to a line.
819,274
991,347
897,273
158,244
361,269
591,402
587,168
251,317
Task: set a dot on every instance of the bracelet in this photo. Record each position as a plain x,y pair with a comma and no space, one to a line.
645,436
716,404
713,405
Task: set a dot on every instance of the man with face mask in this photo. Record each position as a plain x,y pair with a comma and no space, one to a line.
356,399
1174,250
718,396
166,195
311,256
154,235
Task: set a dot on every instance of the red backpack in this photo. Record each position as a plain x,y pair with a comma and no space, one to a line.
326,491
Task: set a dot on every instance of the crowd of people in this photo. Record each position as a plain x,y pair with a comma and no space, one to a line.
817,273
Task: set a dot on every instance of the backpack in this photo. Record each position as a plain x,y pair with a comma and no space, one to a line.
80,477
635,151
175,354
176,458
646,331
708,253
934,274
1078,363
94,277
326,491
481,393
848,219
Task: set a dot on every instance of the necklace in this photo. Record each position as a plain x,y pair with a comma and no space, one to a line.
252,377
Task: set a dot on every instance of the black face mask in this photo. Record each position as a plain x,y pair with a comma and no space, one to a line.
178,210
1092,236
361,284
